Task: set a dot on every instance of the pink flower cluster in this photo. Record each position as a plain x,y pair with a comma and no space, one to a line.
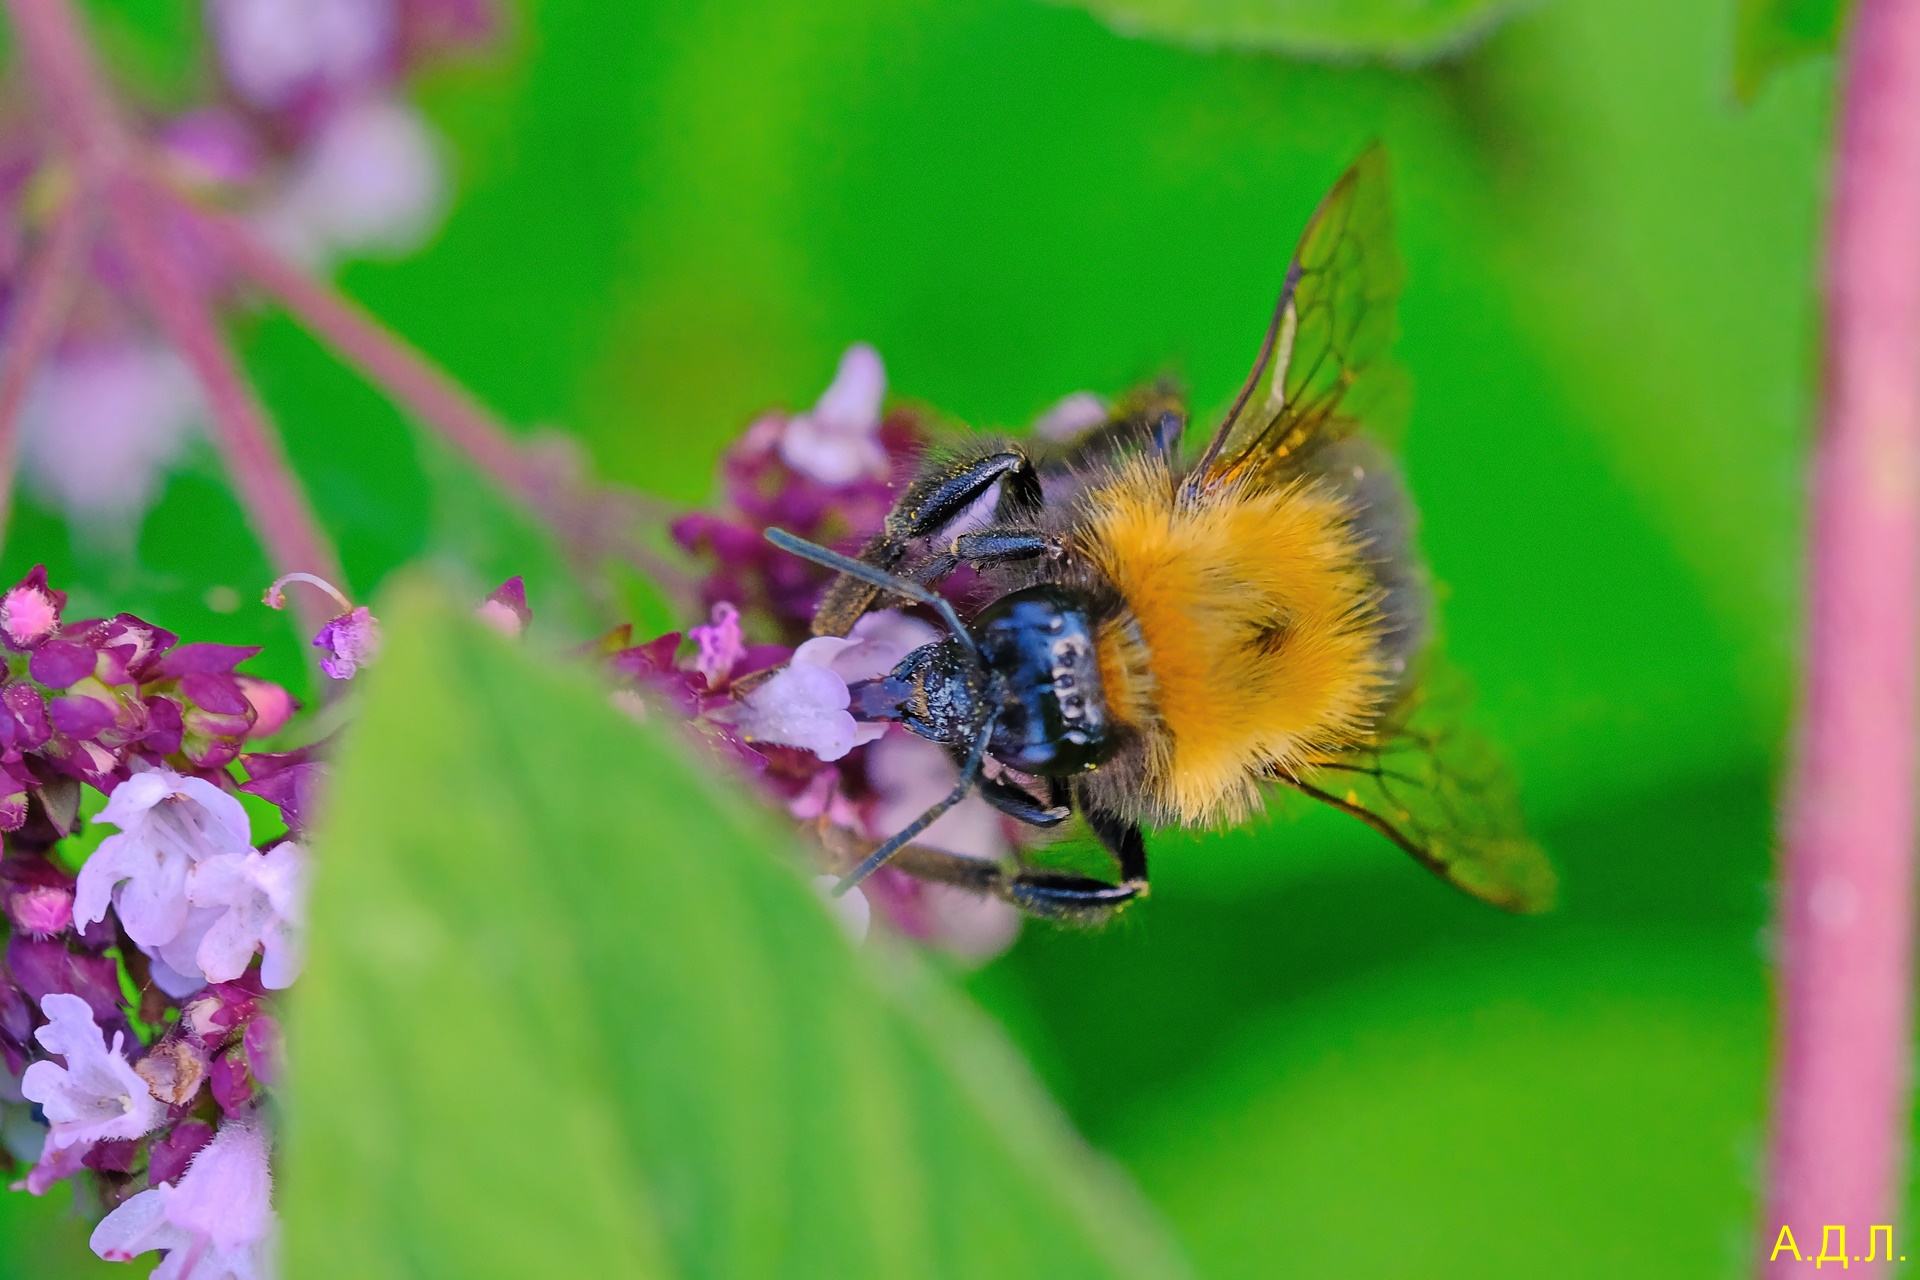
306,131
136,1038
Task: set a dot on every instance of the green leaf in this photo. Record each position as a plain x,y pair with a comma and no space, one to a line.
1401,31
1772,34
571,1010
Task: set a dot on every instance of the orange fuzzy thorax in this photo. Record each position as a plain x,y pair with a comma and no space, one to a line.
1249,637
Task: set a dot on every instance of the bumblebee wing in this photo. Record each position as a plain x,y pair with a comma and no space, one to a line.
1323,369
1443,793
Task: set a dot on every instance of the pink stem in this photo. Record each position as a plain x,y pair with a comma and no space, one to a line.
389,361
1840,1097
382,355
38,316
247,442
59,59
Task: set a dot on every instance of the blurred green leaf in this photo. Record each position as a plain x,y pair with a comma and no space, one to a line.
568,1013
1404,31
1588,1109
1770,34
45,1238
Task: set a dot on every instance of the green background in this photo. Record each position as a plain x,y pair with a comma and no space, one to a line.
1311,1057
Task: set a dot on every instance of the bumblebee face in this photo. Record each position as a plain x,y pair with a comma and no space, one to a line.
1037,646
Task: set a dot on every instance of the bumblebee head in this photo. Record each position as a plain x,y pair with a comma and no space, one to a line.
1050,717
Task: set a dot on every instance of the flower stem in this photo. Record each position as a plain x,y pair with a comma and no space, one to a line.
1845,910
272,498
578,516
39,313
385,357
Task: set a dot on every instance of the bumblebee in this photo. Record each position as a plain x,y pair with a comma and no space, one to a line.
1162,640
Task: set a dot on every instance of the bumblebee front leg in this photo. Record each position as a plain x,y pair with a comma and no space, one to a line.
929,504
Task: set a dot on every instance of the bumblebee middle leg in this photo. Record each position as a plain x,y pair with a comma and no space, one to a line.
930,503
985,549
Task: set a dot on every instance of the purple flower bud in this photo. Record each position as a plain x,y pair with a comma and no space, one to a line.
232,1083
651,665
212,146
25,726
506,609
13,809
115,1155
80,717
215,718
169,1155
272,706
86,760
721,645
215,1013
289,780
265,1049
348,641
39,896
134,646
59,664
203,659
30,611
164,725
44,968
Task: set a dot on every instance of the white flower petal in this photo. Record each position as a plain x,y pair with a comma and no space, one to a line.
222,820
168,824
218,881
228,948
226,1193
1071,416
138,1225
101,424
370,182
153,904
115,860
851,403
285,954
803,706
97,1095
132,799
176,965
838,442
271,50
877,644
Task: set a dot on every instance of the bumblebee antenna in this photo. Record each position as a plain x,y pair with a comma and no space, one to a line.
880,578
969,772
